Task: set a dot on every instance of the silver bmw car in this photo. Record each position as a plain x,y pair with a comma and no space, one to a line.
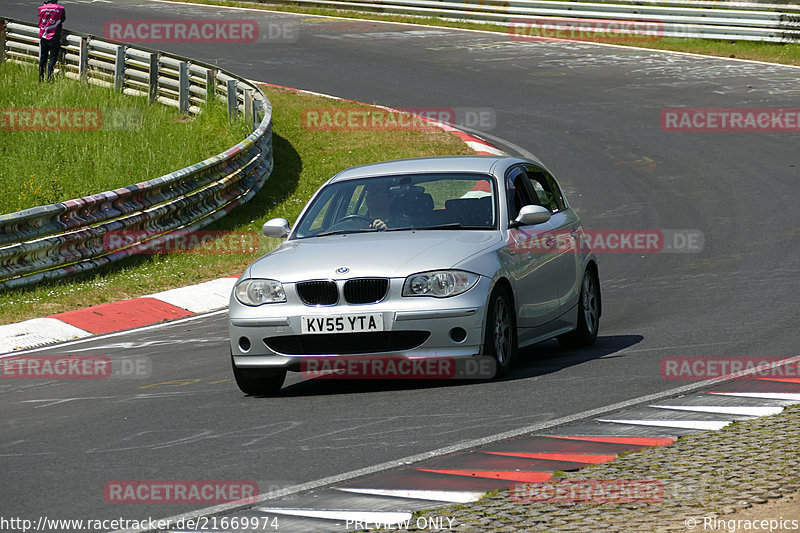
458,257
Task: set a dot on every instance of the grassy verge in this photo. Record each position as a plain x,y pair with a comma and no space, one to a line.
760,51
123,140
304,159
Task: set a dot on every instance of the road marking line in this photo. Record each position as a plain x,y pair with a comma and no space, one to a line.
384,517
791,396
712,425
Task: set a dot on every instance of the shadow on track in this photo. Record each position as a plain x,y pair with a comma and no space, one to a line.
538,360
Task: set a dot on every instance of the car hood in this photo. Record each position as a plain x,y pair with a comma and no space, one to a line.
378,254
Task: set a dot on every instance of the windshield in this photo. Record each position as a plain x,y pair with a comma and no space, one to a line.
408,202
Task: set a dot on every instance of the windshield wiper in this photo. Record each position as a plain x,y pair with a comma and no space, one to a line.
343,231
453,225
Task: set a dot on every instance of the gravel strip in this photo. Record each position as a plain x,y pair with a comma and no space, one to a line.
710,474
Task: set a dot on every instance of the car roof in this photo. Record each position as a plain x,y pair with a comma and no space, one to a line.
483,164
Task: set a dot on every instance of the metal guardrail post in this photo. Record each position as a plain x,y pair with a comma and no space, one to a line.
2,40
152,82
183,87
233,99
211,85
248,105
83,59
119,69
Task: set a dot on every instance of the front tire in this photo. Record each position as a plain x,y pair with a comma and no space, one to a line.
258,381
501,331
588,324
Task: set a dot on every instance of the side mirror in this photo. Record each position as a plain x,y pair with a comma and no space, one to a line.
276,227
530,215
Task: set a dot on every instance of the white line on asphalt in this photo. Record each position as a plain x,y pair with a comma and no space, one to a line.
383,517
792,396
705,425
522,152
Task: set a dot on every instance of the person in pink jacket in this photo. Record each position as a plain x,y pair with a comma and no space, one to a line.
51,18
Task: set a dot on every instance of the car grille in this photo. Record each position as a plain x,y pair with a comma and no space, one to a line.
318,292
347,343
365,290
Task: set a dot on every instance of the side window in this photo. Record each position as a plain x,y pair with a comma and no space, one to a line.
518,192
545,189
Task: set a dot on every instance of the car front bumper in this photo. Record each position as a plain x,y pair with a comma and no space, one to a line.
413,327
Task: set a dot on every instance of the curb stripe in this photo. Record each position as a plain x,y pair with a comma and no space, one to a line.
449,496
640,441
126,314
784,380
724,410
588,458
529,477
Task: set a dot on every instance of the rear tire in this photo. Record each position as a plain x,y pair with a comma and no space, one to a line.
258,381
500,338
585,333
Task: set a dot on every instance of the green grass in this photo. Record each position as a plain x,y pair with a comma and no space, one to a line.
754,50
304,159
143,142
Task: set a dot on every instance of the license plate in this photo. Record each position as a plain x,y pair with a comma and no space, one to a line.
341,323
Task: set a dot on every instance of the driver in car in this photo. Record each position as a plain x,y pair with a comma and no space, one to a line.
382,209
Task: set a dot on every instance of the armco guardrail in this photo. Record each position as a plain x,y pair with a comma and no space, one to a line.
55,240
676,19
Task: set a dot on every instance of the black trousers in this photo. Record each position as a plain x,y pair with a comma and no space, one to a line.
49,49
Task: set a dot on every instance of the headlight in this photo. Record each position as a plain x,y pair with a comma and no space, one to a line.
259,292
439,283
